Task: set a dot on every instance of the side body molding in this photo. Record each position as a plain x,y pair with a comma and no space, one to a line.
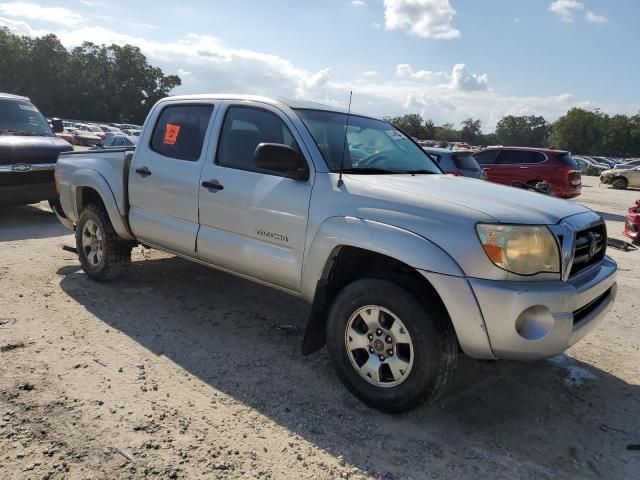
92,179
403,245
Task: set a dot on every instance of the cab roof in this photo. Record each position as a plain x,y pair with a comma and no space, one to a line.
275,101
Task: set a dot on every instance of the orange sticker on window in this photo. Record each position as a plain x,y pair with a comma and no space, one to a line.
171,134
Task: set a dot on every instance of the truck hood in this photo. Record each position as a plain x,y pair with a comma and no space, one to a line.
502,203
19,148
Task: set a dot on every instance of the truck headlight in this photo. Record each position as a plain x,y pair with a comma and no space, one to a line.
520,249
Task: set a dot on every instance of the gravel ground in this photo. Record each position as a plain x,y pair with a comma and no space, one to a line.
179,371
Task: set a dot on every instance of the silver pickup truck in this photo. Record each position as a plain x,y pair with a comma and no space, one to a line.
404,267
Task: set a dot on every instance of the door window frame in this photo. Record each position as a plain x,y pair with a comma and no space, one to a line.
285,121
215,106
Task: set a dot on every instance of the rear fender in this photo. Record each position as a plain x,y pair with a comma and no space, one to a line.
86,178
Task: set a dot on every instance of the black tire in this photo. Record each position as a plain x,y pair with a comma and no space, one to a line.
620,183
435,347
116,253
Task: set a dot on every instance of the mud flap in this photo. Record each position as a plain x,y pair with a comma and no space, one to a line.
314,334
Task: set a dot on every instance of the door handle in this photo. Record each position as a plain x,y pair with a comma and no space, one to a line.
524,168
144,171
213,184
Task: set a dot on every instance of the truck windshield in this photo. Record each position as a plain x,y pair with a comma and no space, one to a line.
372,146
19,117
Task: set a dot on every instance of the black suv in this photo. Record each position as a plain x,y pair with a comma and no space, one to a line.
28,153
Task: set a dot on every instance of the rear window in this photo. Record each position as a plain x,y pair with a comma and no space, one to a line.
568,161
465,161
180,131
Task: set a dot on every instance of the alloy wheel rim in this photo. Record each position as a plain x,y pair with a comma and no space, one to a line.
379,346
92,243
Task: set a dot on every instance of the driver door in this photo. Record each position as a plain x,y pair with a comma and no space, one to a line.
253,222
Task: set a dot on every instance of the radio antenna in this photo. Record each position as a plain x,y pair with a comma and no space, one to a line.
344,143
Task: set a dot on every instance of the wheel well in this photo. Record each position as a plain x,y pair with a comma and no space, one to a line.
345,265
86,196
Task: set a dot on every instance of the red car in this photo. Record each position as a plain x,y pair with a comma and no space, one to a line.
632,223
514,165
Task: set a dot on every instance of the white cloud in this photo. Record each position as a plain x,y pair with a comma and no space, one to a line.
593,18
31,11
461,79
370,73
423,18
21,28
565,9
405,71
206,64
358,3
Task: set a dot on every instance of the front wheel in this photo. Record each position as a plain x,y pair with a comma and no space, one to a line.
103,254
620,183
391,344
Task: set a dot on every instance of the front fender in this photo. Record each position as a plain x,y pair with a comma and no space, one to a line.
92,179
394,242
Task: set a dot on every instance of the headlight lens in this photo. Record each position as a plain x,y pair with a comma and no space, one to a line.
521,249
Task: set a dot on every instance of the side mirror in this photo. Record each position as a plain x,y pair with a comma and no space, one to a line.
279,158
56,125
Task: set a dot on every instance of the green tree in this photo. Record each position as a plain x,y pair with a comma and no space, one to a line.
93,82
412,124
447,133
471,131
579,131
523,131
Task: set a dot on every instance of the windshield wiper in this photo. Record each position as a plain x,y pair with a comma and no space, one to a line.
365,170
22,132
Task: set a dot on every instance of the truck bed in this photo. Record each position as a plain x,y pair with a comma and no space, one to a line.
112,167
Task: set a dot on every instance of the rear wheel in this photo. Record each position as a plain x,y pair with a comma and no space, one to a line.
103,254
392,345
620,183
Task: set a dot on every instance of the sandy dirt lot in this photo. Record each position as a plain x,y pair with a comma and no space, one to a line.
179,371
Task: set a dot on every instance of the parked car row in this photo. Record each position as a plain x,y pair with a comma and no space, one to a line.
91,134
515,166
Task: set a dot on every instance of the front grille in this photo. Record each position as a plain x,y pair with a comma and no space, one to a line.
26,178
591,246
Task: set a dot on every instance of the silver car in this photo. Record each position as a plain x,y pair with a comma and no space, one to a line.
457,162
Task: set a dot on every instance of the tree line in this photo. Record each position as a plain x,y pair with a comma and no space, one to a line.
580,131
94,82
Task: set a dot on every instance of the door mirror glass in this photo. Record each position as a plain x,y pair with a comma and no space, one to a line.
283,159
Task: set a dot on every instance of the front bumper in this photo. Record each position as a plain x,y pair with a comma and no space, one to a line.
535,320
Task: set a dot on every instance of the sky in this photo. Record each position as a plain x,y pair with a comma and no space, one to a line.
445,59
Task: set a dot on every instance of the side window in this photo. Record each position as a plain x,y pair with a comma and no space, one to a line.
513,157
536,157
109,142
180,130
243,130
487,157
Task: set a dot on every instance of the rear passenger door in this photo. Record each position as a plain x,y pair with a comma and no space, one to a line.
164,178
524,166
253,222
